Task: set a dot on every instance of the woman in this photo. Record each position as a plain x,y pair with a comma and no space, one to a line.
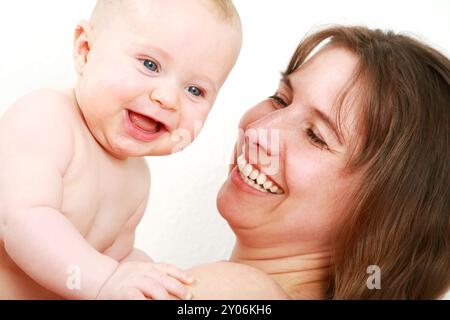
359,142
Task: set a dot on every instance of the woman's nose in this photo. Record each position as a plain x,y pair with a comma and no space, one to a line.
263,147
166,97
267,139
267,132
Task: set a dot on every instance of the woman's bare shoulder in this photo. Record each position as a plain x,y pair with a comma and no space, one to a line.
224,280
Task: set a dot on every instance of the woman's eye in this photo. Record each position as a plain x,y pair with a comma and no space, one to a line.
278,102
195,91
316,140
151,65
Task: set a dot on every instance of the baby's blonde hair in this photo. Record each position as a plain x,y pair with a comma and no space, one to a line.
103,9
225,8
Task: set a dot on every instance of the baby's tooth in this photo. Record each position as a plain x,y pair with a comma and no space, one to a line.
247,169
261,178
243,148
254,174
279,191
267,184
273,189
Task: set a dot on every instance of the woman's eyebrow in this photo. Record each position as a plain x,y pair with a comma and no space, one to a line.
285,79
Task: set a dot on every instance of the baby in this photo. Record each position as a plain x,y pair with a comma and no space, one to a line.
74,182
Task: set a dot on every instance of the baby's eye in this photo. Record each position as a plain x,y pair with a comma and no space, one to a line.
195,91
151,65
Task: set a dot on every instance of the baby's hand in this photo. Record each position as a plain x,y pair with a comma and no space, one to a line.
145,280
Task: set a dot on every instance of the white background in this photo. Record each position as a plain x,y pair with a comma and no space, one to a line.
182,225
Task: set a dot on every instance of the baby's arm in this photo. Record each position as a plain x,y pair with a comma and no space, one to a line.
123,249
137,255
46,246
36,147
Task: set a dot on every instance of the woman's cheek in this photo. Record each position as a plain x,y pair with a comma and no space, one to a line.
305,168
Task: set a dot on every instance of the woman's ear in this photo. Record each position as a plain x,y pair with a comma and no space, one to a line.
82,45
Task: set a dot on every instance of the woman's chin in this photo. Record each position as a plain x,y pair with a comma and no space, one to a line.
221,200
235,209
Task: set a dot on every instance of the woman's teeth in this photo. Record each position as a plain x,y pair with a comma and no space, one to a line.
256,179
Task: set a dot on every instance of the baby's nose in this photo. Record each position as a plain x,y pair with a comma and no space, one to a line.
165,97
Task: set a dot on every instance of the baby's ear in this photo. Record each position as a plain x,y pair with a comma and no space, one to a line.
82,45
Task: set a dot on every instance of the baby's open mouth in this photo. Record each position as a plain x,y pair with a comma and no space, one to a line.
144,123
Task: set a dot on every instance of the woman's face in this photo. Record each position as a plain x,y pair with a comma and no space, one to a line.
289,138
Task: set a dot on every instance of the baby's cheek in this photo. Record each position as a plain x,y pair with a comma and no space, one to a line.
185,135
195,122
112,78
120,88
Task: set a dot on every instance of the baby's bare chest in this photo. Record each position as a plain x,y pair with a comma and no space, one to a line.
101,194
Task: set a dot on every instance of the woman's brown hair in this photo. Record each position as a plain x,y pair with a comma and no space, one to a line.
398,218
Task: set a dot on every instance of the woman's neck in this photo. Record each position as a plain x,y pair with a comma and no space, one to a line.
302,275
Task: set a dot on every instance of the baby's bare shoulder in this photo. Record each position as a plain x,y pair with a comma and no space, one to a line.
46,103
38,123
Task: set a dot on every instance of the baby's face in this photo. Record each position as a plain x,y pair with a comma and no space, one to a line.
151,79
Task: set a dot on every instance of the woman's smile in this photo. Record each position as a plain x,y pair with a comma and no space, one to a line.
254,179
